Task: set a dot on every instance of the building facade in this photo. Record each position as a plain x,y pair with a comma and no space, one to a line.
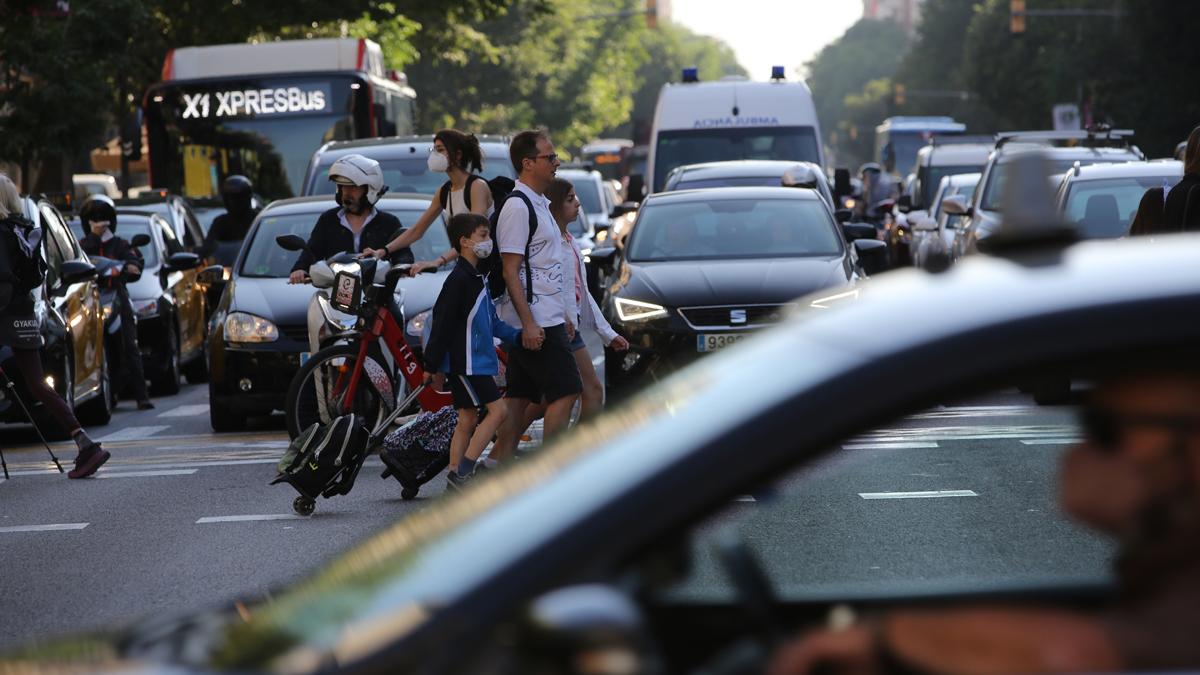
907,13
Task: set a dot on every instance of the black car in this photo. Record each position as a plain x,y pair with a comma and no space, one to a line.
736,502
258,334
703,269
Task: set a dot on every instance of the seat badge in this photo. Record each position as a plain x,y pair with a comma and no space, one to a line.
737,317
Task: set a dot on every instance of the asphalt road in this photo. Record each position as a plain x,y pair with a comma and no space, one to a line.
181,518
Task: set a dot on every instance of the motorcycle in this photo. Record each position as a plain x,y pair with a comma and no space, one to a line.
111,277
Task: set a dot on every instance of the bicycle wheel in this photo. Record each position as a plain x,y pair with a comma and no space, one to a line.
318,391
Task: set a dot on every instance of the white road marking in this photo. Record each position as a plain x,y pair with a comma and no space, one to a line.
923,494
745,498
966,433
897,445
145,474
133,433
44,528
1052,441
244,519
186,411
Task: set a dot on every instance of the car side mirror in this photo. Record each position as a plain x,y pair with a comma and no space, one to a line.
140,240
291,242
604,258
584,624
74,272
623,209
635,188
841,184
904,205
857,231
179,262
843,215
211,275
955,205
872,255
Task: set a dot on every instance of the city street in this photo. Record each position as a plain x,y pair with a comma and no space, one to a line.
182,519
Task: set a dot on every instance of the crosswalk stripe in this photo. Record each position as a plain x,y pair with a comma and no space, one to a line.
899,445
133,433
59,527
145,474
921,494
1052,441
243,519
186,411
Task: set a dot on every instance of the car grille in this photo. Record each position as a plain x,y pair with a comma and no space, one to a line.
299,333
704,318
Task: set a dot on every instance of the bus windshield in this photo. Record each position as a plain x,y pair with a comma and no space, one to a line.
680,148
264,128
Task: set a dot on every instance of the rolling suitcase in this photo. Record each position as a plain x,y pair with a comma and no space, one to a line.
418,452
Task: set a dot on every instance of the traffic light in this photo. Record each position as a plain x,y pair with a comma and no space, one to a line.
898,94
1016,10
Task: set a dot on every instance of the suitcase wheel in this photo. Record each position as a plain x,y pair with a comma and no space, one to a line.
408,493
304,506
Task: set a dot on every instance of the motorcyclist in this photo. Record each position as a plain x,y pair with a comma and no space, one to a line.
99,218
238,194
877,188
355,225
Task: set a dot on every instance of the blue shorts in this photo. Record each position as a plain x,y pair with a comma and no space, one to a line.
577,342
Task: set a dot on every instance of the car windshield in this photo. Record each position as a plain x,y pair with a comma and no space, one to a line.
265,258
733,228
729,181
1105,208
679,148
993,194
937,173
131,228
409,175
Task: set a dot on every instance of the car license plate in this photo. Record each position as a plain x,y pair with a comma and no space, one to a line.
712,342
304,357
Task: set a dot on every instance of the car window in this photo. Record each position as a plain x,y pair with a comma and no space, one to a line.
1104,208
993,195
729,181
173,245
733,228
60,246
963,495
129,230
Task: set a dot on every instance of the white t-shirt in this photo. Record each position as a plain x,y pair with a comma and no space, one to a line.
550,305
456,203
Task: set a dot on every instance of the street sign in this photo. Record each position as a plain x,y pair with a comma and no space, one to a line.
1067,117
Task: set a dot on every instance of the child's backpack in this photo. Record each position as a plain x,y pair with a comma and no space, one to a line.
25,242
325,459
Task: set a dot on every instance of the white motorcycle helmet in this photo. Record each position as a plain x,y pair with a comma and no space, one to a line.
362,171
801,175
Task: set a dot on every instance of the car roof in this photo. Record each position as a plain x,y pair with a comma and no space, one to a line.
957,153
321,203
1013,150
1158,167
741,167
724,193
590,174
391,147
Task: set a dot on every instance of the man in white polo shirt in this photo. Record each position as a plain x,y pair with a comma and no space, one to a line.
542,367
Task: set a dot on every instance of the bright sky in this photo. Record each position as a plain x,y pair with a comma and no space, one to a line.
767,33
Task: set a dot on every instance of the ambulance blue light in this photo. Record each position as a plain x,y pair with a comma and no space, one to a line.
691,75
777,73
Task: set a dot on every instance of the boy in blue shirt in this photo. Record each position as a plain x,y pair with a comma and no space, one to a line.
461,346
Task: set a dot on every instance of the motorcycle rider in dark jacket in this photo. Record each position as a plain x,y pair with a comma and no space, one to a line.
231,226
99,218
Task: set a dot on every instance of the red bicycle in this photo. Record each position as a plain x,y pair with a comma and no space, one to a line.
371,368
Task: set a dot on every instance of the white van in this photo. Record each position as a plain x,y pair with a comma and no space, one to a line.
734,118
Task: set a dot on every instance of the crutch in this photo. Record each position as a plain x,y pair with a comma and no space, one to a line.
12,392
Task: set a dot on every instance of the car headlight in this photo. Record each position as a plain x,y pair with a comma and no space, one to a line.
636,310
601,235
243,327
831,300
416,325
145,309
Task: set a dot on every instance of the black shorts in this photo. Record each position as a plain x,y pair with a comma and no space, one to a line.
547,374
472,391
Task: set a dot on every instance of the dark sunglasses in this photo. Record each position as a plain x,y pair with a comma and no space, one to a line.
1106,429
552,157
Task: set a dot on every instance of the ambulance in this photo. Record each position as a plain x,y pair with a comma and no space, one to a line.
731,119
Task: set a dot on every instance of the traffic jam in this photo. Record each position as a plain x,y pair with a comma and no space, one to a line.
336,391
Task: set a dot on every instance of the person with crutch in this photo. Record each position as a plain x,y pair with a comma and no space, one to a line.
22,271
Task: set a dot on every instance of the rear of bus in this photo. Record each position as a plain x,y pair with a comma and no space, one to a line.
732,119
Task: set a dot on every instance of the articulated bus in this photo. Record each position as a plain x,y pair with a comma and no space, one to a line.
260,110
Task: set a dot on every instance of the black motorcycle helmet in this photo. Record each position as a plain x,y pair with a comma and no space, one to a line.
238,194
98,207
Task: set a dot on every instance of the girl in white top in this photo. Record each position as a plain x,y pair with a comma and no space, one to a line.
459,156
564,206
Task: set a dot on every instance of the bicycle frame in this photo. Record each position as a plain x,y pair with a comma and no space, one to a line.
384,326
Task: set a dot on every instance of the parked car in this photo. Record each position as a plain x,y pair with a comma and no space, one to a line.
258,335
168,300
1083,147
702,269
743,173
933,239
1103,199
404,162
72,324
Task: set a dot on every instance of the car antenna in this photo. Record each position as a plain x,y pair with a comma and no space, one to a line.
1030,220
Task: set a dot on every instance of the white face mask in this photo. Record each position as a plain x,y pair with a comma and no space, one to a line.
483,248
438,162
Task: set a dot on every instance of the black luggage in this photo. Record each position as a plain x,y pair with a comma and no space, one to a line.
418,452
324,460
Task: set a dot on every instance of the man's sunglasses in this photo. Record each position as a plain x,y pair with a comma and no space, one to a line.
552,157
1106,429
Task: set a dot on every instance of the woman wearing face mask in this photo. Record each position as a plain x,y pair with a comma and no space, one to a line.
99,218
460,157
21,330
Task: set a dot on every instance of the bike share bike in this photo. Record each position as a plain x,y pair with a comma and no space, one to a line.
359,375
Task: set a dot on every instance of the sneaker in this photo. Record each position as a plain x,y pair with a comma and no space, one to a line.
456,482
88,461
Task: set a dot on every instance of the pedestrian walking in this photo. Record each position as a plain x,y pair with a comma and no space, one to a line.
1176,213
541,366
99,218
461,347
1149,218
564,206
22,272
459,156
